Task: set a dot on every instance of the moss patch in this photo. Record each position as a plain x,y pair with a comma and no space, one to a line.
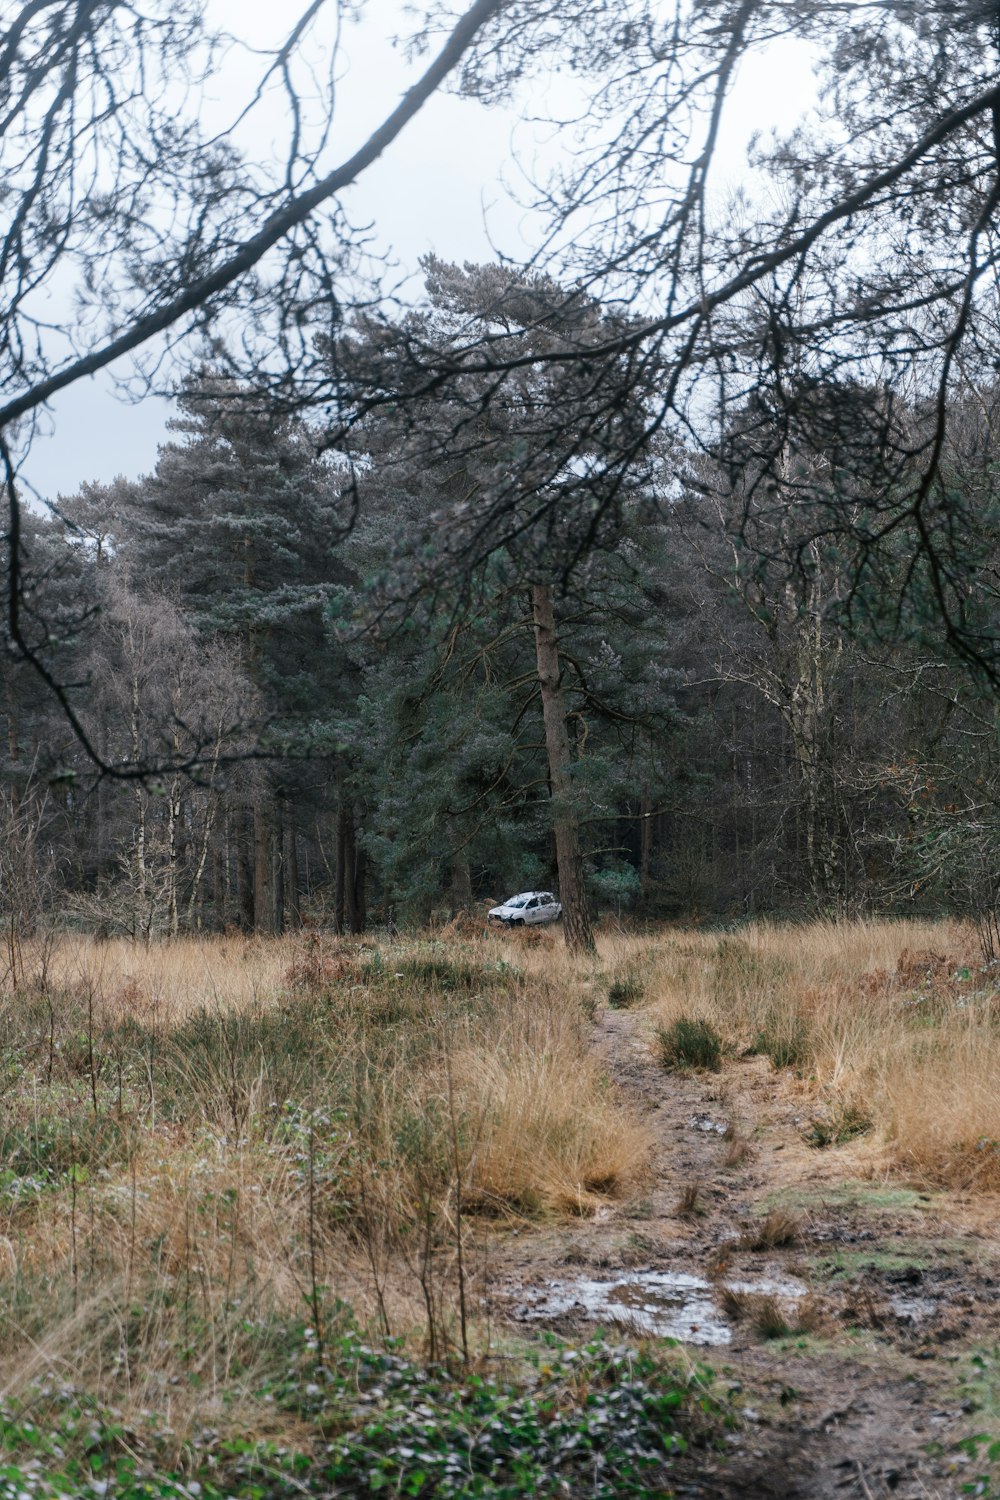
845,1265
867,1197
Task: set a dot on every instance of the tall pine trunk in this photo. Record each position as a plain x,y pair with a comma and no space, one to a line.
245,869
572,888
646,832
341,876
461,882
263,887
350,903
293,909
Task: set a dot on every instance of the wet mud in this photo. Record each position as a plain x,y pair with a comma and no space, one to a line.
844,1313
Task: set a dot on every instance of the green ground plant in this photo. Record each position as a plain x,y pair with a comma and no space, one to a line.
598,1421
194,1165
689,1043
626,988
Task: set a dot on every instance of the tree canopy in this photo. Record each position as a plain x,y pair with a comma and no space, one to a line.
696,461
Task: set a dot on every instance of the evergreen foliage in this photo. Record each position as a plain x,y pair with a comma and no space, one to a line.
332,719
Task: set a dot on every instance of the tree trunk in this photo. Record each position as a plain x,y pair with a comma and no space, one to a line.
104,860
13,747
569,860
357,914
278,875
173,820
645,845
355,920
293,909
263,873
349,902
244,870
220,887
461,882
340,877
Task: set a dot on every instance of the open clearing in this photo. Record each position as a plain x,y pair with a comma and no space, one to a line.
826,1200
325,1218
873,1385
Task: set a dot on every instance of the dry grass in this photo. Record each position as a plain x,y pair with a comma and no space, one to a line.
775,1231
941,1104
887,1024
547,1137
770,1318
738,1148
175,979
207,1147
688,1204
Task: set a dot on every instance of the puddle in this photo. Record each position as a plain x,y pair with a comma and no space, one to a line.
668,1304
785,1287
913,1308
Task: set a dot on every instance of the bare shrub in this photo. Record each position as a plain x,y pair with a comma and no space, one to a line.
778,1229
27,889
688,1205
771,1317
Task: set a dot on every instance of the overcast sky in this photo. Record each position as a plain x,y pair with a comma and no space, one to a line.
439,187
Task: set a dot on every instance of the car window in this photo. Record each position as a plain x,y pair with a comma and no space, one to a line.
515,904
533,903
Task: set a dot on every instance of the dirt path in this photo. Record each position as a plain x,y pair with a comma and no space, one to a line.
886,1292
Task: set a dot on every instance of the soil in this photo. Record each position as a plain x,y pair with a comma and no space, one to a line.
891,1287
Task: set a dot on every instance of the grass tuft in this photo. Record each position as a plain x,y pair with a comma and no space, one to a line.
626,989
768,1316
688,1204
689,1043
775,1231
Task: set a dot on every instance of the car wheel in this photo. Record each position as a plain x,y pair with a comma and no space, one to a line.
517,921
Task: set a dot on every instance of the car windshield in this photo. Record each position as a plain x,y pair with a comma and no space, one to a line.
521,901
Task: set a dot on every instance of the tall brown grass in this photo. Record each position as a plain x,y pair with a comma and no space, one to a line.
211,1150
207,1146
891,1024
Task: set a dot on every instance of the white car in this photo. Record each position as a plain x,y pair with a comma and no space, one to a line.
529,906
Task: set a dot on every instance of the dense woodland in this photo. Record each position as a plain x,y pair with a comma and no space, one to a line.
336,721
662,566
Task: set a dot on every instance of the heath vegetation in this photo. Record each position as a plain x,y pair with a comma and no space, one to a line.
891,1027
236,1170
220,1158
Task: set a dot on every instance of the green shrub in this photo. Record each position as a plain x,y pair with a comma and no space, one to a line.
626,989
689,1044
785,1040
843,1123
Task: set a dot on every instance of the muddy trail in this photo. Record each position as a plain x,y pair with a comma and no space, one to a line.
845,1315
